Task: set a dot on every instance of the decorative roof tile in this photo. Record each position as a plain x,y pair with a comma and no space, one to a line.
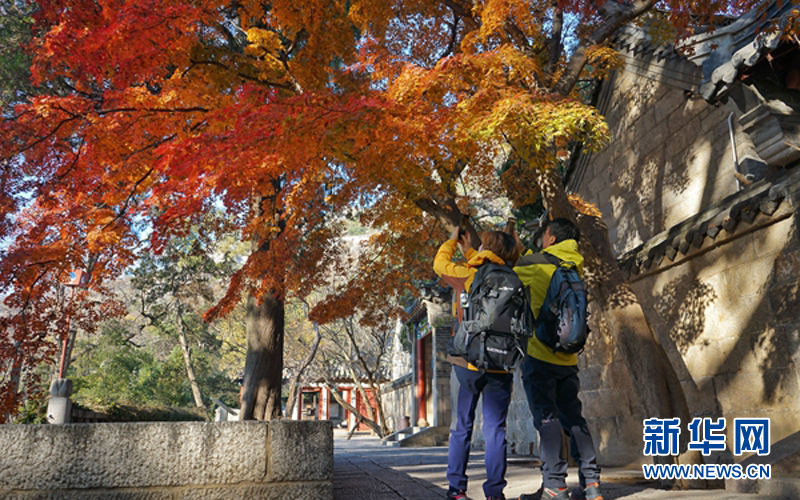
766,197
725,52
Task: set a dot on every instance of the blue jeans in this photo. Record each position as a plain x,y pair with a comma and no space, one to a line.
496,390
552,392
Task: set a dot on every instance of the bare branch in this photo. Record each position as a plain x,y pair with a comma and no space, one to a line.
451,45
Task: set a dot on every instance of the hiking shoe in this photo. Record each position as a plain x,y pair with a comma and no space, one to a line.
591,492
454,494
547,494
531,496
555,493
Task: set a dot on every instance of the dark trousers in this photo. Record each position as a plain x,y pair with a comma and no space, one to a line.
496,390
552,392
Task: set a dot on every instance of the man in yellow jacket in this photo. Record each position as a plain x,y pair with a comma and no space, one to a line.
551,380
498,248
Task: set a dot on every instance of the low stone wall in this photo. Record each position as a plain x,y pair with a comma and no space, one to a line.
167,461
398,399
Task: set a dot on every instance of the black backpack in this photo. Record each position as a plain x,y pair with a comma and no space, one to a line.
497,320
561,324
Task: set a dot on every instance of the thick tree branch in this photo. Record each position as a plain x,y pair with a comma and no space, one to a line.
44,137
556,44
519,37
616,14
244,76
451,45
347,406
193,109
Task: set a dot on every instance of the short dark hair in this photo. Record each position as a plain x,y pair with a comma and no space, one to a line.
502,244
563,229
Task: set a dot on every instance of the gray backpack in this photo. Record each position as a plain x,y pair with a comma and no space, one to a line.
497,320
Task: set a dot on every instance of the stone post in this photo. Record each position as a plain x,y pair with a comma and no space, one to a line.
59,408
438,305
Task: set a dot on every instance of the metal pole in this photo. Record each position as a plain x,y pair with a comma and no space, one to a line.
733,149
62,365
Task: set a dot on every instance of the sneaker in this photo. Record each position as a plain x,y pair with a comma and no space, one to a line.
531,496
496,498
591,492
454,494
555,494
547,494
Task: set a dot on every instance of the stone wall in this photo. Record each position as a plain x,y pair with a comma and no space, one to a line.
724,308
167,461
398,401
670,154
728,319
441,369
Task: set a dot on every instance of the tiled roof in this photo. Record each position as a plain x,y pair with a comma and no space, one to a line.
721,53
724,53
637,41
763,202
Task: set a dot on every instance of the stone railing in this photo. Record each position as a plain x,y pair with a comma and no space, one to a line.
167,461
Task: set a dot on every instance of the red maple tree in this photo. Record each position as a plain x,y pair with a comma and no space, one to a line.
288,115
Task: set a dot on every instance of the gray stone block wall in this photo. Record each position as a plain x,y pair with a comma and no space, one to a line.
173,461
729,321
398,402
670,155
727,315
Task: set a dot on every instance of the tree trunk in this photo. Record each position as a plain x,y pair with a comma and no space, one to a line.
657,387
347,406
657,383
654,377
187,360
360,388
376,394
9,394
296,380
263,371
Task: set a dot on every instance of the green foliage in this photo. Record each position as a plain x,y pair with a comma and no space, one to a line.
15,31
113,370
124,413
34,408
139,361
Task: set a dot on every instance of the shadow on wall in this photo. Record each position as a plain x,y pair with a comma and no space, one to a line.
668,159
755,361
683,305
770,339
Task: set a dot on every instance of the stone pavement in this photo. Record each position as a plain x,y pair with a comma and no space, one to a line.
366,469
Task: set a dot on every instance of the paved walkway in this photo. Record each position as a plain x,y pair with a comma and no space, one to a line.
366,469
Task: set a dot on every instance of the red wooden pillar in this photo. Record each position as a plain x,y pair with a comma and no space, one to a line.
422,413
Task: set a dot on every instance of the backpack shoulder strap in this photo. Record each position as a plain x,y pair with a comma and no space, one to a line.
478,279
484,269
539,258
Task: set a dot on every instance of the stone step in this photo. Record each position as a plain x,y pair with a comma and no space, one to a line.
418,436
775,488
401,434
784,460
